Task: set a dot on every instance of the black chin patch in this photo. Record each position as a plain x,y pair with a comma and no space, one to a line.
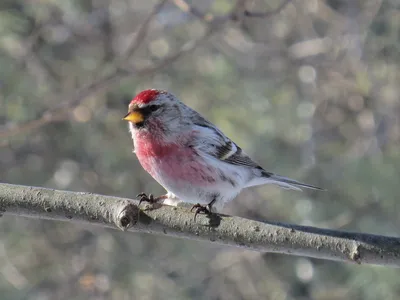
139,125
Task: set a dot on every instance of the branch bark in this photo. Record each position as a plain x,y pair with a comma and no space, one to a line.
125,214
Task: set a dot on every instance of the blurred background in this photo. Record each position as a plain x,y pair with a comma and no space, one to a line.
309,88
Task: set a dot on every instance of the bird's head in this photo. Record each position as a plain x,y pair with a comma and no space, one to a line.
152,108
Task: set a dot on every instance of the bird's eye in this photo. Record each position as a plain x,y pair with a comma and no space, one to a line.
153,107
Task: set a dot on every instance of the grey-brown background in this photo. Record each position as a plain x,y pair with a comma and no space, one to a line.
311,92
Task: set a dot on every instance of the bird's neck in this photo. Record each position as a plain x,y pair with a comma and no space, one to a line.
147,144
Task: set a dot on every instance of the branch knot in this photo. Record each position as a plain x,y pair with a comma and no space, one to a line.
128,217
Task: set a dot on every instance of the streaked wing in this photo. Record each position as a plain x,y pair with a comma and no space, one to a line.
233,154
211,141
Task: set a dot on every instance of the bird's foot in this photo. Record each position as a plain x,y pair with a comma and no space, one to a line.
143,197
200,209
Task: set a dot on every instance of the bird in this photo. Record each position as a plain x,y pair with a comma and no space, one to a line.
191,157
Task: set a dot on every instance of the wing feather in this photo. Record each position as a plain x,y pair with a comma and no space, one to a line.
214,143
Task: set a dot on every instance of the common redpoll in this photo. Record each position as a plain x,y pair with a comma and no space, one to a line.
189,156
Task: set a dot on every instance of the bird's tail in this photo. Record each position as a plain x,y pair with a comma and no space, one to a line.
292,184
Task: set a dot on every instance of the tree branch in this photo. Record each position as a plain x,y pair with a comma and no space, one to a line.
122,213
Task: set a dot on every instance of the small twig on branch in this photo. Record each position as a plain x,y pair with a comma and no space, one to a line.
125,214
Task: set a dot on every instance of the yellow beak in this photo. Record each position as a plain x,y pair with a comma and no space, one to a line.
134,117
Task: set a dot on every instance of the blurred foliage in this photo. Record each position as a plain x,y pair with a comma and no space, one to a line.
311,92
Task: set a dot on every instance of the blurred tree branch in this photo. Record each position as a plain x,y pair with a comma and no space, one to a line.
125,214
121,71
141,33
32,60
268,13
240,9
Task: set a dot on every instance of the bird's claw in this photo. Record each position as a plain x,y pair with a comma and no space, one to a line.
200,209
143,197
